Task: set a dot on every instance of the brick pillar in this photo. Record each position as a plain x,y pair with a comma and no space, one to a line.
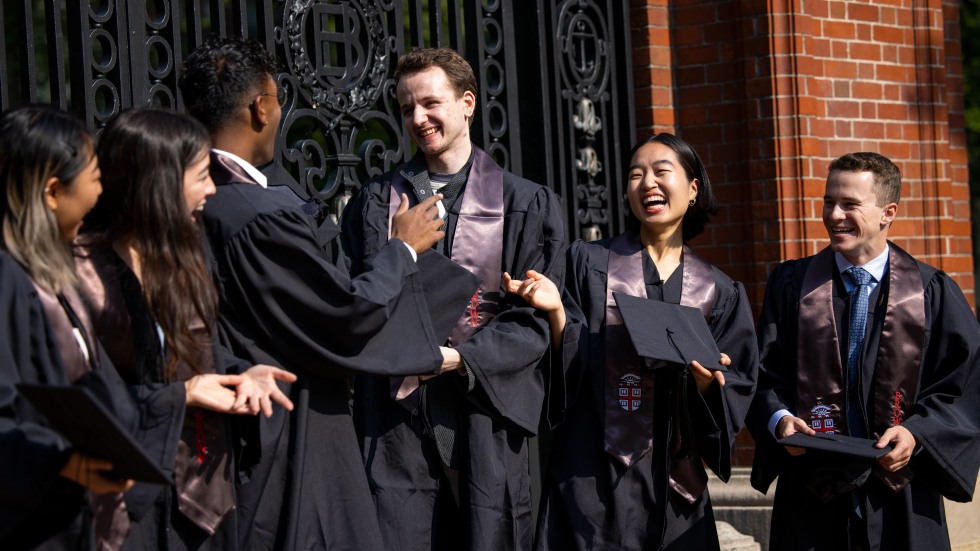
770,92
653,75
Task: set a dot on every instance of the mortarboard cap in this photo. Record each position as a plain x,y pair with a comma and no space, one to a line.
831,442
448,290
668,334
87,424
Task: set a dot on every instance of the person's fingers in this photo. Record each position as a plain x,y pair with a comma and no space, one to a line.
281,399
527,286
698,370
283,375
403,206
795,451
229,380
801,426
95,464
240,399
512,285
720,377
266,405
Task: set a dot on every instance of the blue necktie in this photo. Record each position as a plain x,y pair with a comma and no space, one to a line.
855,339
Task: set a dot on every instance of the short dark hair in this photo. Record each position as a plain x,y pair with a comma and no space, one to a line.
220,76
887,178
696,217
458,70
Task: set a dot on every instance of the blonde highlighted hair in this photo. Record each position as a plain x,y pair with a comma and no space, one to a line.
38,143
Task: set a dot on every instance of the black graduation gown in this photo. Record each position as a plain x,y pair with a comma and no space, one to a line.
287,299
591,500
37,506
495,418
123,324
945,421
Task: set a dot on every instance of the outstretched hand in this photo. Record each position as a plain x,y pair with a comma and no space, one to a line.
541,293
211,391
537,290
258,390
420,225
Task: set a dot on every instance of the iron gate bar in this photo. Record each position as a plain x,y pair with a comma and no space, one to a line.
56,56
536,113
28,59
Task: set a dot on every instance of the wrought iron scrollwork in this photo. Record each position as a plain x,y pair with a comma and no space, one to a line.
585,76
340,122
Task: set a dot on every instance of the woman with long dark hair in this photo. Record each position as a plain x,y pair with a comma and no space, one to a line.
49,179
628,474
144,276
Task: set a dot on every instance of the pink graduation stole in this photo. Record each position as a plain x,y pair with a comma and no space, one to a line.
820,374
628,387
477,246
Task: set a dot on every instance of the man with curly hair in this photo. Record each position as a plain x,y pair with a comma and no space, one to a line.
287,299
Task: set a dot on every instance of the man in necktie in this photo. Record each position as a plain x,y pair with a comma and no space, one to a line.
864,340
859,290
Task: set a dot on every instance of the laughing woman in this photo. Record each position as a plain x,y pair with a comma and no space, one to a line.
632,477
49,179
145,279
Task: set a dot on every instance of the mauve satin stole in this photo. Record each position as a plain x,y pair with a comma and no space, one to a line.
202,472
820,375
629,387
477,246
66,314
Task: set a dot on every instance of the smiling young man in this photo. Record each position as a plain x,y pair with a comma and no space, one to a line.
448,460
864,340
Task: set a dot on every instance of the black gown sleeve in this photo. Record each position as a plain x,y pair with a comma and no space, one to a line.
567,367
720,413
31,453
310,315
776,333
945,419
505,353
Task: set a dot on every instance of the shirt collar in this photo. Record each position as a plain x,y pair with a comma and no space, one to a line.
876,266
255,173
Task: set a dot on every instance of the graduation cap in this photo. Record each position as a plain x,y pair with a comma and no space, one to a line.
667,334
449,288
87,424
861,448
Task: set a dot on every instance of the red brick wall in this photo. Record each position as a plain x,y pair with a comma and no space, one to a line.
769,92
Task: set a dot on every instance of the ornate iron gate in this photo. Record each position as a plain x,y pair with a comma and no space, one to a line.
555,102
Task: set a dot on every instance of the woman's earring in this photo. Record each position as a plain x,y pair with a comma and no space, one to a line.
691,202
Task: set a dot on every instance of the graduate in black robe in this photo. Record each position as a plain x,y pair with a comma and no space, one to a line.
287,299
916,375
448,466
657,496
155,180
49,173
